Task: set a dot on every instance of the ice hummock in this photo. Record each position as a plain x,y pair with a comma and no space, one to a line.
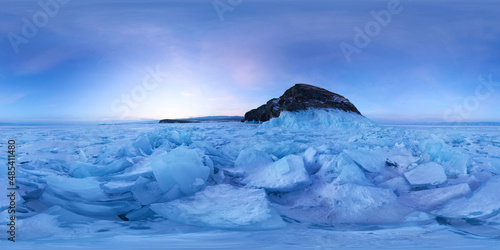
427,174
182,168
429,199
284,175
319,118
335,169
483,203
223,206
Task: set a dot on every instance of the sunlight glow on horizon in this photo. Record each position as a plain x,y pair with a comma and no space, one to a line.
91,60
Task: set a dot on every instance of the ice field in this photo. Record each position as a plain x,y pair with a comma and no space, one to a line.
313,179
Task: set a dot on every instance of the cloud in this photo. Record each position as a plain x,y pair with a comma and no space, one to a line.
43,61
424,59
10,98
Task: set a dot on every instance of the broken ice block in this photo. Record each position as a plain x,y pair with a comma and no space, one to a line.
287,174
223,206
427,174
182,167
483,203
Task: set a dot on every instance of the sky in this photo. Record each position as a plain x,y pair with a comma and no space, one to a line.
396,61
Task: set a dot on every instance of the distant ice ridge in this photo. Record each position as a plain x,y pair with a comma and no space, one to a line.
319,118
252,177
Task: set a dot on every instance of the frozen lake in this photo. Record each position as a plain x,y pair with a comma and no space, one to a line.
336,182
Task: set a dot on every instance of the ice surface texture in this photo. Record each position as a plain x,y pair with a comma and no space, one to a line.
318,119
182,168
223,206
314,167
428,174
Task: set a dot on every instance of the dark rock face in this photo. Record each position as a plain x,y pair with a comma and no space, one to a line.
264,112
300,97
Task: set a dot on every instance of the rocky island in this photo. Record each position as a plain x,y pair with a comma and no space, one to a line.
300,97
